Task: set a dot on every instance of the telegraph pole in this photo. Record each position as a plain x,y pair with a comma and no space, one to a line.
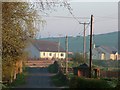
66,55
84,46
84,41
59,45
91,31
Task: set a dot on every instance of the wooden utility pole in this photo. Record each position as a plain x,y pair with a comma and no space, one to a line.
84,46
84,41
66,55
91,31
59,45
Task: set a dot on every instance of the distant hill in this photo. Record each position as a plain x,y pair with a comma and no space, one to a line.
75,44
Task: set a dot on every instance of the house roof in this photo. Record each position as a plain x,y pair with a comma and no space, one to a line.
99,50
44,45
83,66
111,50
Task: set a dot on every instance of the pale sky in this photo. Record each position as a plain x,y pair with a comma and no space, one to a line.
105,19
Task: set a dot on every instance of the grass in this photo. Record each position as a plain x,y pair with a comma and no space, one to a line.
2,86
20,80
77,82
111,81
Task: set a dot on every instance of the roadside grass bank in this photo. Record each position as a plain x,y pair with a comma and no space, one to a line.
72,81
60,80
20,79
79,82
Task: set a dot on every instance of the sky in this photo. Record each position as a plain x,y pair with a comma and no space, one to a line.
105,19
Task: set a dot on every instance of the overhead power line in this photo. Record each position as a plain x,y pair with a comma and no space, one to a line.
107,17
66,17
73,17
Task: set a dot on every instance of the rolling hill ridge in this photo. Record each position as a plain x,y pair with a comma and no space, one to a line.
75,44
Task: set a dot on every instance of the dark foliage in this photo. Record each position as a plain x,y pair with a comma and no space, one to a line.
77,82
54,68
60,79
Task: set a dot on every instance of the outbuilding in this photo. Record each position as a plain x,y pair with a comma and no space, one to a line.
82,70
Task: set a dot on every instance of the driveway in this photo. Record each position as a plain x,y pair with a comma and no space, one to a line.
38,78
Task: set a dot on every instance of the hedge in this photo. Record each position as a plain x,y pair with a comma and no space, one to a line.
53,68
77,82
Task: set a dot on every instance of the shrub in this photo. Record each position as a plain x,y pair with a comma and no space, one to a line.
53,68
19,80
77,82
60,79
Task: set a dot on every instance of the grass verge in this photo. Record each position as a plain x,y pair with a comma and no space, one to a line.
20,80
77,82
60,80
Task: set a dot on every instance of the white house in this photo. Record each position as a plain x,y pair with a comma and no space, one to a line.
45,49
104,53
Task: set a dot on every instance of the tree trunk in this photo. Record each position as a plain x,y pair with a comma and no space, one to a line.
14,75
15,70
11,76
20,66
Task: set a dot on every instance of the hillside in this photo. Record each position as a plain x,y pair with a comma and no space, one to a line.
75,44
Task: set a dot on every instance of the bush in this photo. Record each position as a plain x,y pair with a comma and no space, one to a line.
60,79
19,80
77,82
53,68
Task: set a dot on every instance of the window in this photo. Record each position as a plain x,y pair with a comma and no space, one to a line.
50,54
62,54
43,54
103,56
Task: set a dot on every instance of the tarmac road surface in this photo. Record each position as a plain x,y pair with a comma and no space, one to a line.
38,78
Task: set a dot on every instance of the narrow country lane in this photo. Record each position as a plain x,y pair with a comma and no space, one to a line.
38,78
